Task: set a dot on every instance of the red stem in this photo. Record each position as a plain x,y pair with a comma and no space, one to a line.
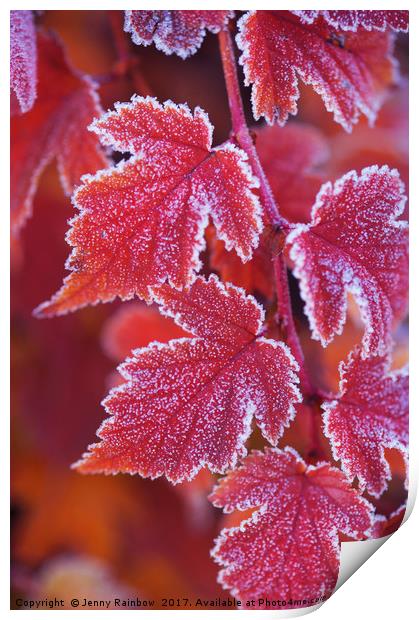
287,322
241,131
244,139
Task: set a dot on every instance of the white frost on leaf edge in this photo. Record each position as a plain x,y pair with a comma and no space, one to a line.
309,17
331,106
330,406
252,183
353,285
224,289
293,382
238,453
161,44
244,46
250,411
198,115
182,109
261,509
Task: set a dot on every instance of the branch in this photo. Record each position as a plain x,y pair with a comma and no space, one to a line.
287,322
241,131
244,139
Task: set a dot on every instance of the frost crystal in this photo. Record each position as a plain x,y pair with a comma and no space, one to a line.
289,547
174,32
142,222
23,58
353,20
354,243
369,415
190,402
350,71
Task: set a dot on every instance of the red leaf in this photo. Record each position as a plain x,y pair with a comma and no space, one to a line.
135,325
350,71
369,415
190,402
355,243
289,548
291,157
352,20
142,222
55,127
174,32
23,75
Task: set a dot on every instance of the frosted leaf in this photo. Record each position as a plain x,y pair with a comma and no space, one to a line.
369,415
289,547
190,403
350,71
355,243
353,20
23,58
55,127
142,222
174,32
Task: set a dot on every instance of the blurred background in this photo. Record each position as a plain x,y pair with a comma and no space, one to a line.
98,536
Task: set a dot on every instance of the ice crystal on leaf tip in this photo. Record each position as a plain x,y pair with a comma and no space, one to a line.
56,126
289,547
350,71
369,415
142,222
353,20
190,402
23,58
355,243
174,32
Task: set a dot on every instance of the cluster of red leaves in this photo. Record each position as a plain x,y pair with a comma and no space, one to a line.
192,402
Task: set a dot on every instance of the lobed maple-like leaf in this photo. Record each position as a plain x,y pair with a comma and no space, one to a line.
142,222
350,71
23,58
56,126
369,414
190,402
289,548
174,32
353,20
355,243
